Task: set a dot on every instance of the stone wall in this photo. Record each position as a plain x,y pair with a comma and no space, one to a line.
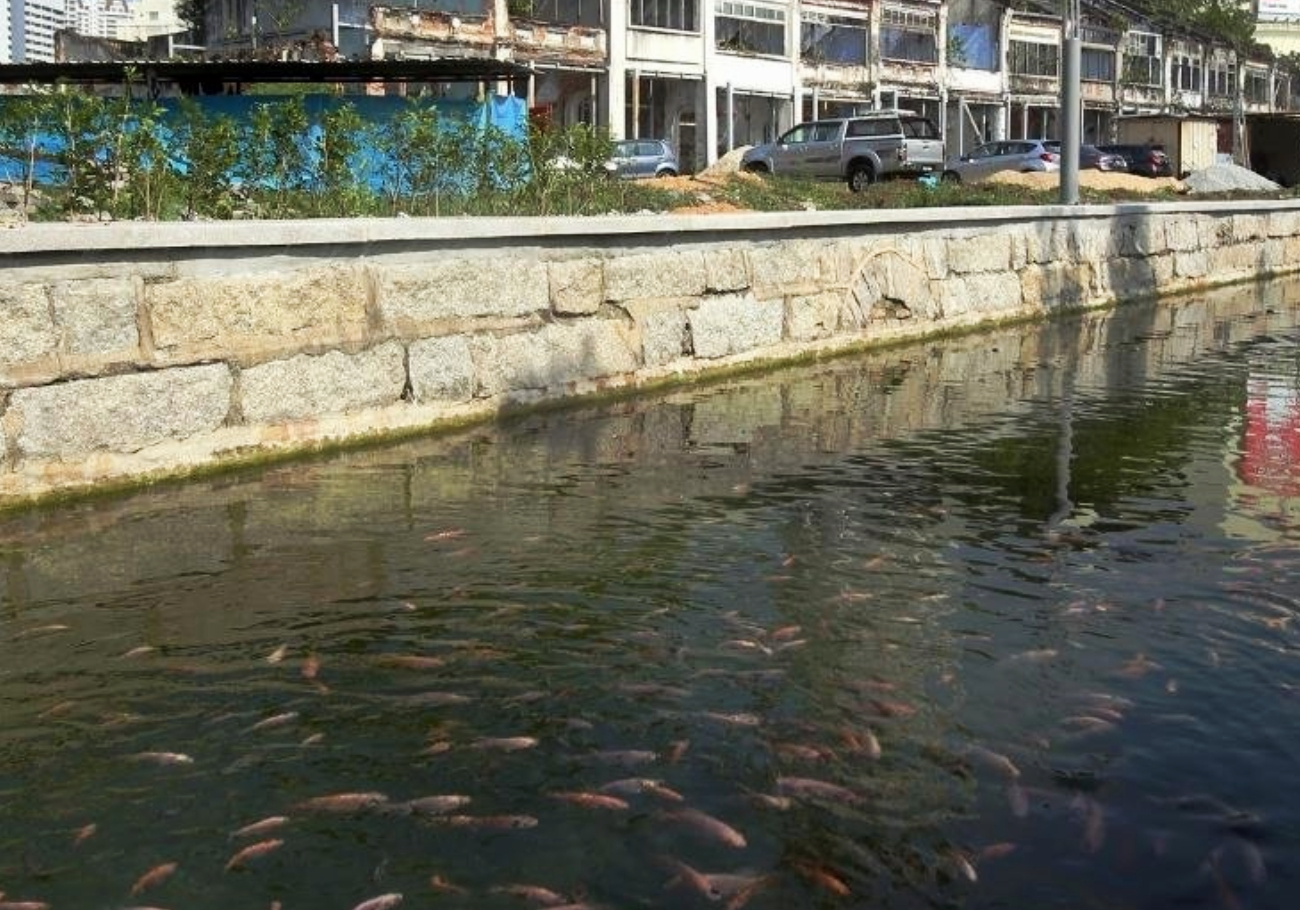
133,351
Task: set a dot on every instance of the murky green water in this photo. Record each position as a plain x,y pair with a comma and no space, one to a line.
1006,621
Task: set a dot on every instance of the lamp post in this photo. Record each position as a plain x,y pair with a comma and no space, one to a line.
1071,107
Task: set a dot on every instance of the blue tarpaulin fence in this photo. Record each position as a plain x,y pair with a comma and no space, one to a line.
506,114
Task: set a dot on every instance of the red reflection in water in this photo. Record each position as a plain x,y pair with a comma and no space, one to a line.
1271,455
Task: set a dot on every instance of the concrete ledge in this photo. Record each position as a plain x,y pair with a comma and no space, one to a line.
135,236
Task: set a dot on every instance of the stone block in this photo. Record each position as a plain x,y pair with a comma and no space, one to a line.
27,330
552,356
663,336
1094,242
306,386
1131,278
988,294
667,274
1237,259
1191,264
97,317
1140,236
725,270
1283,224
735,323
1181,233
577,286
441,369
1056,284
889,285
1249,227
410,297
787,267
1048,241
814,316
251,317
989,252
117,413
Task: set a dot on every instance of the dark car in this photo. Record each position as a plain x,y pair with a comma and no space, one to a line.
1095,159
1147,160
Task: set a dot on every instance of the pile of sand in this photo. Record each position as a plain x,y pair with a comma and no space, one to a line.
1228,178
727,164
1091,179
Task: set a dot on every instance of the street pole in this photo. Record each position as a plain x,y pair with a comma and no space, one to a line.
1071,105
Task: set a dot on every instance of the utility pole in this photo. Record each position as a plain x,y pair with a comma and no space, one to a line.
1071,105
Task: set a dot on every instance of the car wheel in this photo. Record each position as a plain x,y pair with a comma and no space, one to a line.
951,177
860,177
756,168
667,172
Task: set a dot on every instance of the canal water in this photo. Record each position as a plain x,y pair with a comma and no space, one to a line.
998,621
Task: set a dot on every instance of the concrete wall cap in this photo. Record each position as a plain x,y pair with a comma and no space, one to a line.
676,229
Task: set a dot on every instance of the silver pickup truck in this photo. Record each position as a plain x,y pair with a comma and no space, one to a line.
859,150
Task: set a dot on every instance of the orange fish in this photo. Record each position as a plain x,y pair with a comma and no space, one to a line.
823,878
435,805
491,822
412,661
84,833
155,876
342,802
505,743
817,789
707,824
276,720
259,828
24,905
592,800
997,851
382,902
253,851
535,893
163,758
438,883
310,666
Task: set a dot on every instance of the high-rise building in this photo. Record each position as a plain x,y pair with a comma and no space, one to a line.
32,24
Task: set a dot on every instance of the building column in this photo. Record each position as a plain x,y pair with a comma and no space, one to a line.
615,115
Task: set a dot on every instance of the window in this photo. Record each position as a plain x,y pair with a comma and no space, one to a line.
920,128
1098,64
673,15
1143,53
1029,58
908,34
833,39
1186,71
1223,75
750,28
570,12
876,126
1256,87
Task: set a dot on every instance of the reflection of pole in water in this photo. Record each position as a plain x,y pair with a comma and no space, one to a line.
1064,454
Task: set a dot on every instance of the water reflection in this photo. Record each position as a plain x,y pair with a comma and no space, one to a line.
965,623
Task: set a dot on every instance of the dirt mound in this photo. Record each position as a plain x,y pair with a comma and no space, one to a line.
727,164
1093,180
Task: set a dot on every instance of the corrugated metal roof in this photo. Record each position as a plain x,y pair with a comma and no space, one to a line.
461,69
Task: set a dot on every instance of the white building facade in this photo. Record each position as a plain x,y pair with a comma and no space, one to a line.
32,24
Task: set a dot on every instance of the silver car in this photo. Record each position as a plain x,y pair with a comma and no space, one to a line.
636,158
1006,155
